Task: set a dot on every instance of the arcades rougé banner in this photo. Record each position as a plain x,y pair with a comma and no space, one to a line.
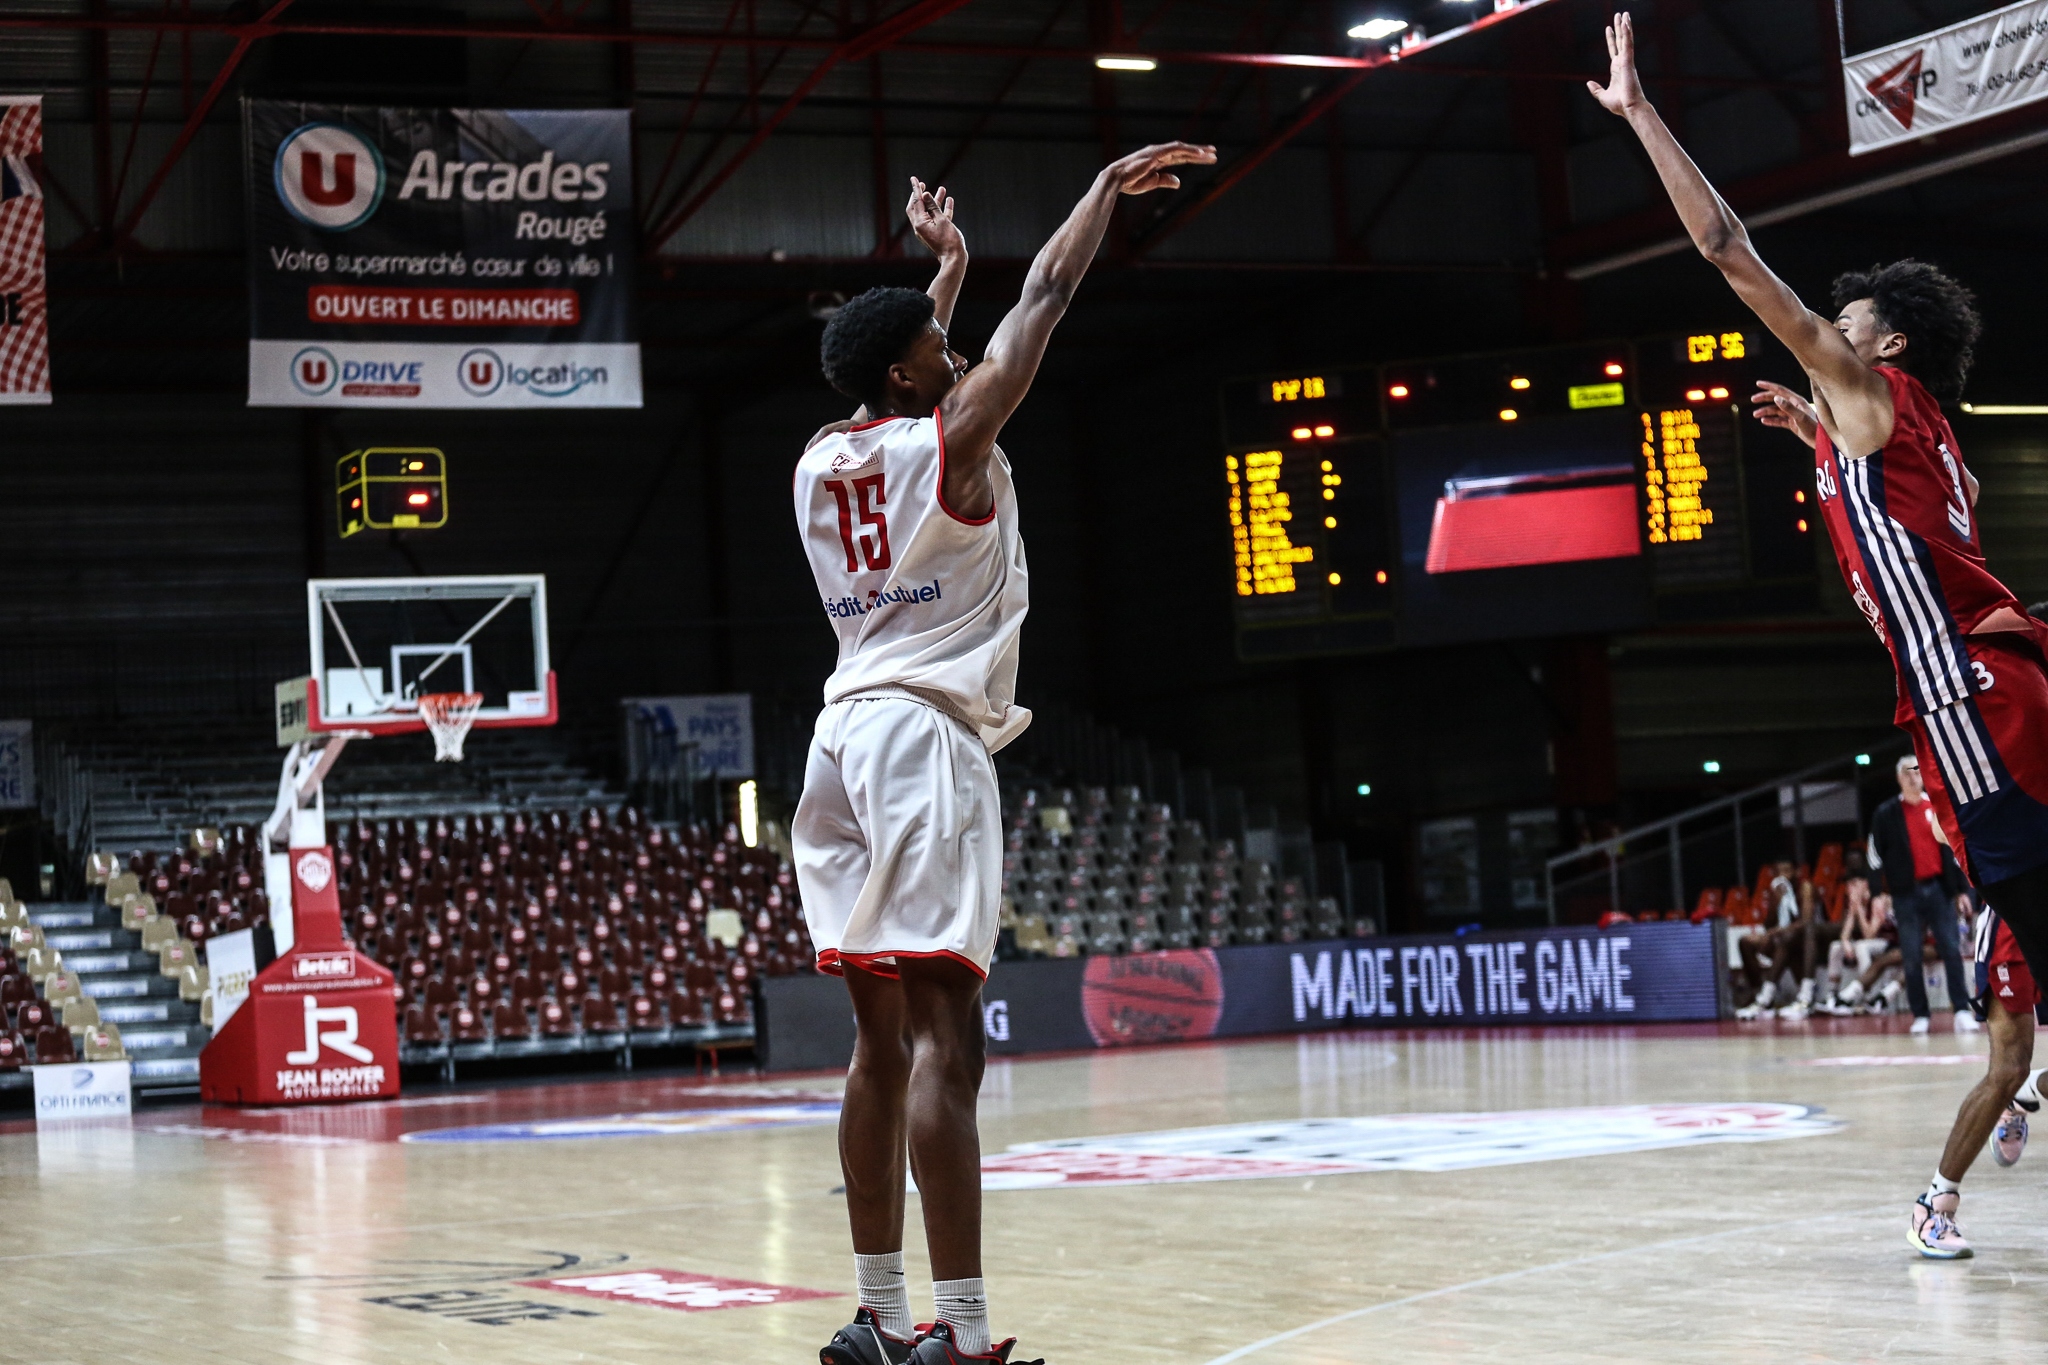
440,258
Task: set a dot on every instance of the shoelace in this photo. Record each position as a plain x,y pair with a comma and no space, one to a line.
1938,1227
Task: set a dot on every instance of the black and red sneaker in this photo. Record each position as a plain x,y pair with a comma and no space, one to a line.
863,1342
935,1347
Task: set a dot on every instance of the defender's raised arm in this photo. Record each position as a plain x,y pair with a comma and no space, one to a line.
975,410
1854,401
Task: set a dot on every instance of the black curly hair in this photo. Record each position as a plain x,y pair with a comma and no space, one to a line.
1937,315
868,335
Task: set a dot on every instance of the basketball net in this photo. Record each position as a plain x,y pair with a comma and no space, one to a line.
448,716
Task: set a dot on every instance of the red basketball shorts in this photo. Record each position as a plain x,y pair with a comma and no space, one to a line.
1985,762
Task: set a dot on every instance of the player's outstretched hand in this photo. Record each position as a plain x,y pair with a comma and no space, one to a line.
1145,169
1778,406
1624,89
931,218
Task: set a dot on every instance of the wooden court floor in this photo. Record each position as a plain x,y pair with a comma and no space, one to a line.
207,1236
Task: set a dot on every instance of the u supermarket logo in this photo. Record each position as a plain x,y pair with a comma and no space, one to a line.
314,370
481,372
329,176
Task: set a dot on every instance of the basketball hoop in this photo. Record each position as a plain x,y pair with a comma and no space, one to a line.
448,716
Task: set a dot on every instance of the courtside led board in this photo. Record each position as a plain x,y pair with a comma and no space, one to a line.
377,645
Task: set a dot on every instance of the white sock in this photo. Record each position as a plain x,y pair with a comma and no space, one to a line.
884,1293
964,1305
1941,1184
2030,1089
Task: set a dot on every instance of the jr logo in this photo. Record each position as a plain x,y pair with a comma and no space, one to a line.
342,1040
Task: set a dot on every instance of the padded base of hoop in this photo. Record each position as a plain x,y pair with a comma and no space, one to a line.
412,724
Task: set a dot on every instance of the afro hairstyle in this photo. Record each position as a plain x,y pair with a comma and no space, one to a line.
869,334
1937,315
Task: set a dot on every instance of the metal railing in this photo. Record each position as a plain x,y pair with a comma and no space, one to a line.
1663,865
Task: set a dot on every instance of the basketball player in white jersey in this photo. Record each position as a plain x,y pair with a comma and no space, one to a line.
910,522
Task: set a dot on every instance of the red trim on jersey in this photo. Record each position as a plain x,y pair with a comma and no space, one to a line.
864,426
945,507
832,962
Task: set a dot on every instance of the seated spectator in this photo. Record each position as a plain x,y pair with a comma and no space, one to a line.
1867,934
1794,947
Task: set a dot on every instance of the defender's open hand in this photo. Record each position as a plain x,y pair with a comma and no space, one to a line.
1778,406
1624,89
1145,169
931,218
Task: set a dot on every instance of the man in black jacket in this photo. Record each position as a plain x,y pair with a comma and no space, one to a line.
1925,886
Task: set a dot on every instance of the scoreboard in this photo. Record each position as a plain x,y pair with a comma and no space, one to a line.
1577,488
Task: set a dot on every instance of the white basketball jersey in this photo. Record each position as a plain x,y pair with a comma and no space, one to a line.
922,599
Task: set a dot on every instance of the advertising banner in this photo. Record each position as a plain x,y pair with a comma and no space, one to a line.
1639,973
440,258
24,317
319,1024
703,736
69,1091
230,970
17,764
1954,75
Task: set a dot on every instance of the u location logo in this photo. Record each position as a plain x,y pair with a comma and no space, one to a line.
329,176
314,370
481,372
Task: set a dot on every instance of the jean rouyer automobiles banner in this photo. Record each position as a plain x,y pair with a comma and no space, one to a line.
440,258
1954,75
1636,974
24,319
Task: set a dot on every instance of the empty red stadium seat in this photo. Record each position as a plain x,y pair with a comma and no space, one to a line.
32,1015
53,1045
421,1026
508,1020
643,1013
555,1021
599,1015
467,1026
1615,917
13,1051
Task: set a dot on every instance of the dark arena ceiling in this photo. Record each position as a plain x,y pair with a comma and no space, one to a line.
1458,162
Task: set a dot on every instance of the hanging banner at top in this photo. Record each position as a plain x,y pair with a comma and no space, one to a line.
440,258
1954,75
24,319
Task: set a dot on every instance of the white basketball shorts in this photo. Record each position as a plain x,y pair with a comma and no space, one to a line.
898,837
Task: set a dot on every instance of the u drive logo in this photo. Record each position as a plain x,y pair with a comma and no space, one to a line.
315,370
342,1040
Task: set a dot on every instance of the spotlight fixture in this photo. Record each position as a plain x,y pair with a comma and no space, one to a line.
1109,63
1372,30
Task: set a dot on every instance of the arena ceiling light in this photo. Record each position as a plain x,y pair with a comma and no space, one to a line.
1374,29
2006,409
1126,63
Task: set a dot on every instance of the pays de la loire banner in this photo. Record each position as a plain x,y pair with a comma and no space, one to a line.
1954,75
24,321
440,258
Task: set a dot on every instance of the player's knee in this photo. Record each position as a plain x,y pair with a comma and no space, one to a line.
884,1056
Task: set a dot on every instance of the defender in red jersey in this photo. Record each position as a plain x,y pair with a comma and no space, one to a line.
1900,508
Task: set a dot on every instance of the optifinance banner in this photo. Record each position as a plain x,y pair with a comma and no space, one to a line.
1952,76
24,315
440,258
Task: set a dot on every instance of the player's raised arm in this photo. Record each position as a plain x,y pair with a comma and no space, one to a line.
1850,391
931,217
977,407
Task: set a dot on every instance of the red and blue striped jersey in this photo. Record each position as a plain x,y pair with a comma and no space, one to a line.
1906,537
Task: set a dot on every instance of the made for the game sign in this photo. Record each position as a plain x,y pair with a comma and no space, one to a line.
440,258
1954,75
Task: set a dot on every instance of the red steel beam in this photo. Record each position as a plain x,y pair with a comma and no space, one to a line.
194,121
653,37
1804,186
866,43
1189,208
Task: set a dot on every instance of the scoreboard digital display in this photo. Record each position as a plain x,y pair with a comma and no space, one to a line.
1575,489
